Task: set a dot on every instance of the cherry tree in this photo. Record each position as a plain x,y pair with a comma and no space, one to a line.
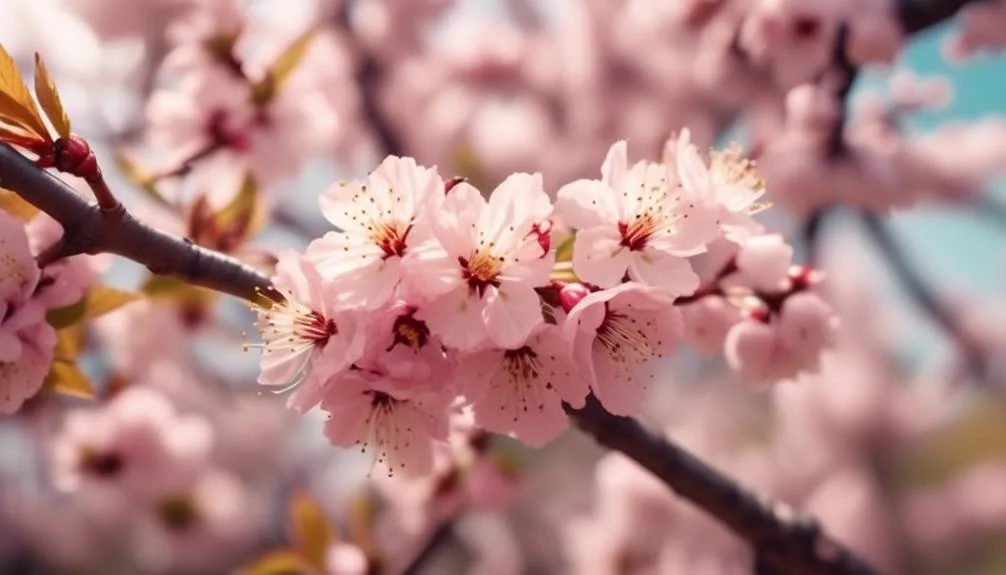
528,224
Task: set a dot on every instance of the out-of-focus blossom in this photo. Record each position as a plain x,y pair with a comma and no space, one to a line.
26,340
137,445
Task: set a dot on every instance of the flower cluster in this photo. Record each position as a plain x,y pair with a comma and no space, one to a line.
431,298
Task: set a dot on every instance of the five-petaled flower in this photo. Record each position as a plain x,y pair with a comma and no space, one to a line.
638,221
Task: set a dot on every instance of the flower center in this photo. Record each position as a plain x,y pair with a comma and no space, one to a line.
481,270
178,513
636,234
624,341
389,238
521,364
290,328
410,331
102,464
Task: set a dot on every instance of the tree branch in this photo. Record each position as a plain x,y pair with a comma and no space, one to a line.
784,543
923,296
917,15
88,230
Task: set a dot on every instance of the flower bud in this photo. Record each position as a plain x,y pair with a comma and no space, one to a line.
571,294
74,156
707,322
764,261
751,348
806,325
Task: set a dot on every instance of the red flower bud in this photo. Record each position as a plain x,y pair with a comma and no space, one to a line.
571,294
449,184
74,156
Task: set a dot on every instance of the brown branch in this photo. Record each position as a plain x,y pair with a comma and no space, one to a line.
917,15
87,229
784,543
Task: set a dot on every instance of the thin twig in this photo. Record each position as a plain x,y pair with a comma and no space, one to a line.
923,296
786,543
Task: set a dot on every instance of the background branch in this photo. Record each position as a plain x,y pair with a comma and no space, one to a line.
779,540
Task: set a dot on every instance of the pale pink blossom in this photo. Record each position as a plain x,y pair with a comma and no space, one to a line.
637,221
707,323
520,390
305,339
614,334
982,30
766,350
397,427
346,559
377,223
64,281
26,340
729,181
763,262
137,445
478,276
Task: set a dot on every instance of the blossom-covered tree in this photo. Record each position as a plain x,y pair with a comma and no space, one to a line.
533,226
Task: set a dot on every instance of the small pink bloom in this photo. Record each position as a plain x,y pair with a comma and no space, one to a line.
763,262
754,349
137,445
729,182
65,281
807,325
614,333
478,276
305,340
377,220
346,559
707,323
401,348
26,340
399,427
635,220
520,390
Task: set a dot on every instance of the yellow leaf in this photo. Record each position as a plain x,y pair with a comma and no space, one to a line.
99,300
140,179
265,89
311,532
244,215
280,562
65,378
48,97
69,341
16,105
16,206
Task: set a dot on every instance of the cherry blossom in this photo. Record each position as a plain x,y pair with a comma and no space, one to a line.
614,334
479,272
635,220
398,427
521,390
305,340
378,224
729,181
763,262
137,444
26,340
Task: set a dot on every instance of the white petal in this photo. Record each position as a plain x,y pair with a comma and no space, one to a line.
663,270
586,203
598,256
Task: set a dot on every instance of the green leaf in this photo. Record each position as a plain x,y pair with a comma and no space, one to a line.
65,378
311,532
564,253
99,301
265,89
280,562
16,206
